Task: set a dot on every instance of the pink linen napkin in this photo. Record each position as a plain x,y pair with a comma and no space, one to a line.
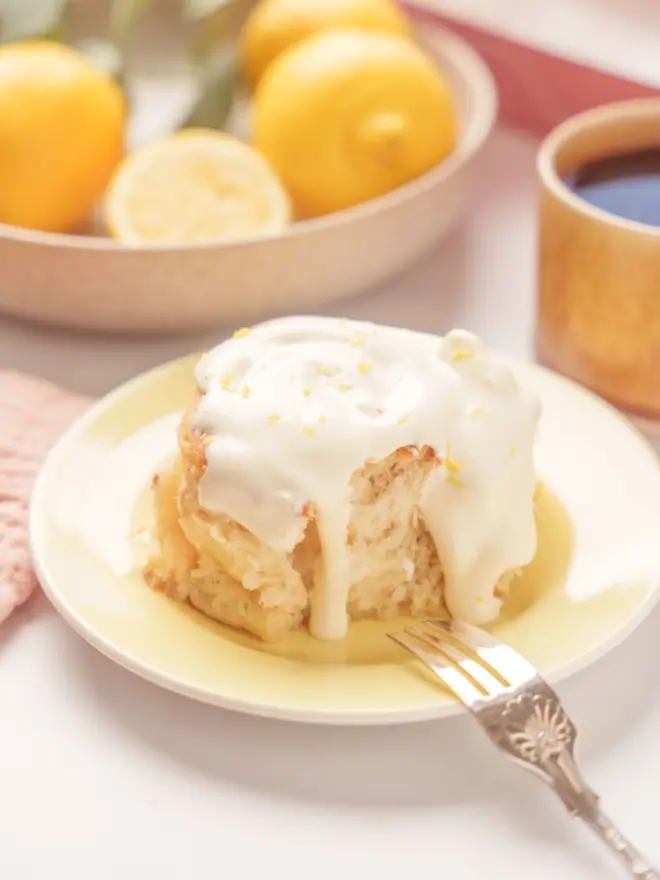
33,413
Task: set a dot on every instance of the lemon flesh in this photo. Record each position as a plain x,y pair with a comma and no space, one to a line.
196,185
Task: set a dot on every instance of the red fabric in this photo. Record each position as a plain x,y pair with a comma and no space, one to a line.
538,90
33,413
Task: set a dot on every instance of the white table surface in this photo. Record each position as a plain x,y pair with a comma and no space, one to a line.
106,777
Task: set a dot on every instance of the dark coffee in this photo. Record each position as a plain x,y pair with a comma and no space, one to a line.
627,185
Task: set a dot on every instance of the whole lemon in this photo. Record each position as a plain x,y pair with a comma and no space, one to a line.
61,135
275,25
346,116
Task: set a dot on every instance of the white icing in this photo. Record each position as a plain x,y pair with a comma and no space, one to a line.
295,406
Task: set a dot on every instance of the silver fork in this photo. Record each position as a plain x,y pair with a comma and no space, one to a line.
523,717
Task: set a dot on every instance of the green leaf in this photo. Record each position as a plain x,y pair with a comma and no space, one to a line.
218,85
210,31
32,19
198,10
105,56
125,15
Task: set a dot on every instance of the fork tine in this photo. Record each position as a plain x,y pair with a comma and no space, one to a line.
470,646
444,658
455,681
487,679
498,656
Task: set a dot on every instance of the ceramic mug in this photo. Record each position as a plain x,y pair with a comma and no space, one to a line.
599,274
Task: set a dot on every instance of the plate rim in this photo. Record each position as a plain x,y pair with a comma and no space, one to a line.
273,710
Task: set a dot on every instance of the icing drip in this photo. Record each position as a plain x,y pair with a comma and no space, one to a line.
293,407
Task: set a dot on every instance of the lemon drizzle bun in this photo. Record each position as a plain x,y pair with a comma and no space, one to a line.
292,408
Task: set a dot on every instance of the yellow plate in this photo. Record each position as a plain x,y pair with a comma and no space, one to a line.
596,575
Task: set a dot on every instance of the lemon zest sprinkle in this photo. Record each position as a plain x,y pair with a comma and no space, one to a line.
243,332
365,367
308,430
327,371
273,418
453,467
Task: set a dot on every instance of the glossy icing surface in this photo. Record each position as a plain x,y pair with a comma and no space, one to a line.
293,407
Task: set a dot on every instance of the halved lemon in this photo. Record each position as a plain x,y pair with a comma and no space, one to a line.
192,186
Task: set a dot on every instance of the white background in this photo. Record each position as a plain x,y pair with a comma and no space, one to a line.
618,36
105,777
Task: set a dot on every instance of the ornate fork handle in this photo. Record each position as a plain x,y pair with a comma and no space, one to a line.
532,727
628,855
565,777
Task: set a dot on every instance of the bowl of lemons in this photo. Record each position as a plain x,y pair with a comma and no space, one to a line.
184,163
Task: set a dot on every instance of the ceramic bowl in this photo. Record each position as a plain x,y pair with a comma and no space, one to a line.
94,283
